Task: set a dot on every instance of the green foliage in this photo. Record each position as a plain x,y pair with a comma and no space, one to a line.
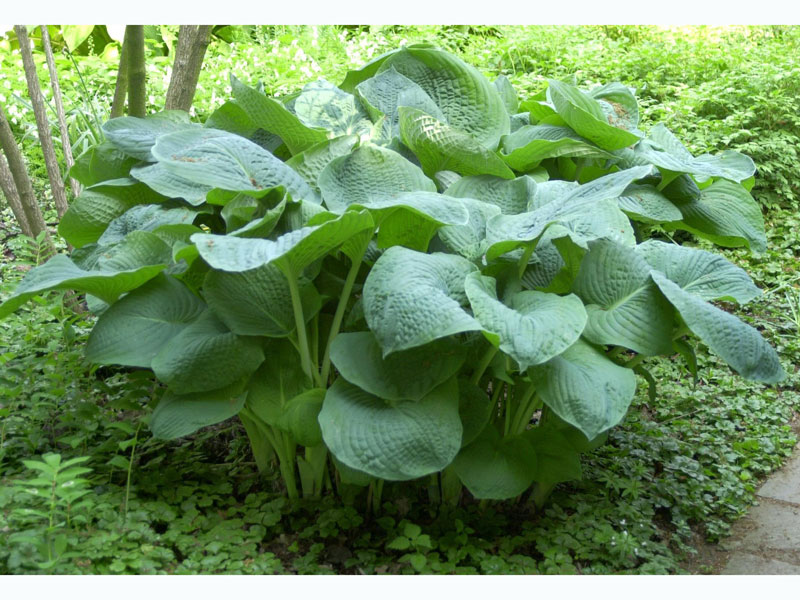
684,462
370,238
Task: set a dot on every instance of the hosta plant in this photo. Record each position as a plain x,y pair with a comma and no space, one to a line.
412,273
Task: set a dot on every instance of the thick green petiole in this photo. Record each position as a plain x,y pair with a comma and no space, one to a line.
484,364
339,315
302,336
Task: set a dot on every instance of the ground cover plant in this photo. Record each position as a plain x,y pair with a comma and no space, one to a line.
490,245
698,457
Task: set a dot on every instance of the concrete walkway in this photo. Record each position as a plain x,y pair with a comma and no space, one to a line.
767,540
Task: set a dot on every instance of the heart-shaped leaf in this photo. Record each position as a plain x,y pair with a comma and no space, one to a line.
206,356
496,468
407,375
132,331
534,326
440,147
624,306
394,441
369,173
585,388
180,415
411,298
739,345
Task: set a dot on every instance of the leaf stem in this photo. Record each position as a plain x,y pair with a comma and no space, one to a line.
339,315
130,468
635,361
484,364
302,336
525,409
285,454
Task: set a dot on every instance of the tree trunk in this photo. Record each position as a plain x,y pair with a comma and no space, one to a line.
192,43
137,76
33,215
42,124
121,88
10,192
66,145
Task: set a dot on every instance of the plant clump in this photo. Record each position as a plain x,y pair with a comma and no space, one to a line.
413,273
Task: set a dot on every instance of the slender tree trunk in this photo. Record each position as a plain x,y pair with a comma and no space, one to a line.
66,145
121,88
137,76
33,214
192,43
42,124
10,192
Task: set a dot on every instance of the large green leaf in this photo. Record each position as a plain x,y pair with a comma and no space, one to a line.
557,459
271,115
160,179
469,240
257,301
261,227
137,249
132,331
469,101
475,409
90,213
625,307
321,104
556,265
496,468
723,212
442,147
279,379
180,415
227,161
144,217
706,275
512,196
311,162
100,163
231,117
585,115
292,252
437,208
550,191
136,136
408,375
738,344
646,203
534,326
410,219
206,356
665,151
586,213
60,273
585,388
394,441
301,417
507,94
618,104
369,172
356,76
411,298
528,146
389,90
